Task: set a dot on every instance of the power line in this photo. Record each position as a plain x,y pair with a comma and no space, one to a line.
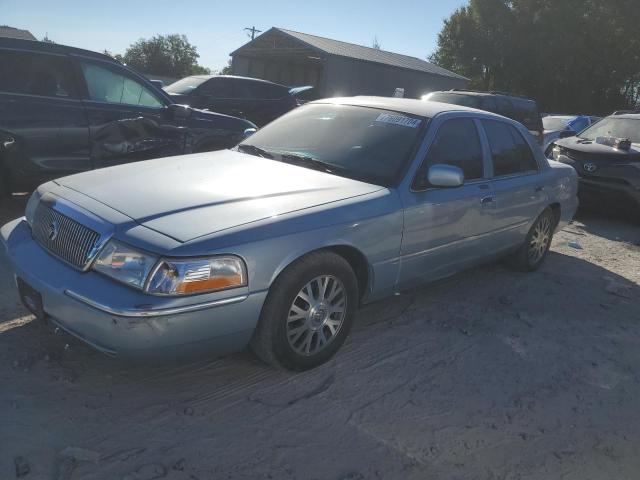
253,31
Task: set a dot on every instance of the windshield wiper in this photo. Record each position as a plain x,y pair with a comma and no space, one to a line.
253,150
306,161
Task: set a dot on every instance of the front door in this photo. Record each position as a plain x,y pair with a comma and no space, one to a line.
446,229
43,127
127,121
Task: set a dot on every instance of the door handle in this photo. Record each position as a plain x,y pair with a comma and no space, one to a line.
487,200
8,143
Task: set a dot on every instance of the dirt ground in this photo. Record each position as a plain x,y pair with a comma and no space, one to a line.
491,374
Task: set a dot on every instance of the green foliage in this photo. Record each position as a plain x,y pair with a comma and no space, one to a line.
574,56
227,69
166,55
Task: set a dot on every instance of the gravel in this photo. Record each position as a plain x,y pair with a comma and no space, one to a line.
490,374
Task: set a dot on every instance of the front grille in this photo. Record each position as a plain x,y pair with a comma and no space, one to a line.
63,237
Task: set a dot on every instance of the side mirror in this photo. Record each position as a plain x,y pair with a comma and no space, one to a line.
447,176
248,132
179,111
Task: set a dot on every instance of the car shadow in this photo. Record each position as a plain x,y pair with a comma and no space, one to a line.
565,287
615,227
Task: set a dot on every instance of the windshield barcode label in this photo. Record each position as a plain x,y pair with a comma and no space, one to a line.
398,120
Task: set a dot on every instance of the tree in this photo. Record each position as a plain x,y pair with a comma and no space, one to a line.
46,39
227,69
376,43
574,56
167,55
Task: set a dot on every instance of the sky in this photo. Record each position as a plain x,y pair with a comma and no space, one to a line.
216,28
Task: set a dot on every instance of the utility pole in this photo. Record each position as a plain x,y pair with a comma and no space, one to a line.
253,31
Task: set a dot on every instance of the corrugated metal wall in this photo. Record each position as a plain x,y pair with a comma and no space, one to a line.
341,76
346,77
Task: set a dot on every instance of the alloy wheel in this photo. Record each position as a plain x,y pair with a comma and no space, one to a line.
316,315
540,240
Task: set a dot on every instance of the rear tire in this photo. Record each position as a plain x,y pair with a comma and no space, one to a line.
534,250
308,312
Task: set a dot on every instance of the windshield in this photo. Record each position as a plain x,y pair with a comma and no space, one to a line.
614,127
186,85
363,143
556,123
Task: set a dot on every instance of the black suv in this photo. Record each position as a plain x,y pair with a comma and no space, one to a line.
520,109
64,110
257,100
607,158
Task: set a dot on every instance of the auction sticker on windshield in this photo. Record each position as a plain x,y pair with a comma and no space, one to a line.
398,120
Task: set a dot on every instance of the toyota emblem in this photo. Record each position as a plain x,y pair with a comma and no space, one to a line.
590,167
54,229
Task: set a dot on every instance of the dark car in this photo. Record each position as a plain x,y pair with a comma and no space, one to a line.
257,100
65,110
518,108
607,159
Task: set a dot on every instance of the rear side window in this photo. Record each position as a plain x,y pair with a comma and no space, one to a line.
105,85
36,74
504,108
526,112
510,152
218,88
456,143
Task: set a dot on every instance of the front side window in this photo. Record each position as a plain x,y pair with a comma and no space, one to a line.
36,74
510,152
105,85
457,144
363,143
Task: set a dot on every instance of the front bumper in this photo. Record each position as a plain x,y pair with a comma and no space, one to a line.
121,321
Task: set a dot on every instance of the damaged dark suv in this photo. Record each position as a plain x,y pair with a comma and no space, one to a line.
607,159
64,110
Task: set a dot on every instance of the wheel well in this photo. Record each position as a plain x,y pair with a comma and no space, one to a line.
555,209
358,262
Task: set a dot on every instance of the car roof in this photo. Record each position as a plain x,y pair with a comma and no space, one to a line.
36,46
257,80
481,93
421,108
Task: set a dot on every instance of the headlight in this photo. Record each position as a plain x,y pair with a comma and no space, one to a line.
125,264
190,276
32,204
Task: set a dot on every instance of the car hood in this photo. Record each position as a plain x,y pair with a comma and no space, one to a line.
191,196
591,147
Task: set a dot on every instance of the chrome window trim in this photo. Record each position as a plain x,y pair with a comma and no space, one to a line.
159,312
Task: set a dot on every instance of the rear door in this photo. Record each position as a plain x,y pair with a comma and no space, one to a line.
128,120
516,182
445,228
43,127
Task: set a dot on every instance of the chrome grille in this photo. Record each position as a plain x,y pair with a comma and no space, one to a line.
63,237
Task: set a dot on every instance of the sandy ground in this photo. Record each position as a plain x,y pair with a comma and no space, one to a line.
491,374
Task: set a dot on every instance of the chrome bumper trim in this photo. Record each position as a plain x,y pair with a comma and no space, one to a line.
153,313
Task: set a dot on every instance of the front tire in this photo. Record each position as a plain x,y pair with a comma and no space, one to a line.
308,312
534,250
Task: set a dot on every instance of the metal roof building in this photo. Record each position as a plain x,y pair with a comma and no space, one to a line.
10,32
338,68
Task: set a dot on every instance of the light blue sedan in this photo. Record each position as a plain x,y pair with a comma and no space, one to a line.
276,243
